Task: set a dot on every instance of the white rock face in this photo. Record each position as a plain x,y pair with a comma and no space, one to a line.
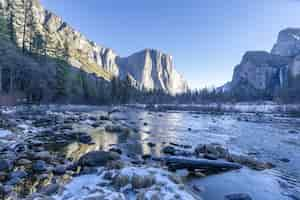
151,69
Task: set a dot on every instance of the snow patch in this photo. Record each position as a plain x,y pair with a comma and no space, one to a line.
5,133
96,186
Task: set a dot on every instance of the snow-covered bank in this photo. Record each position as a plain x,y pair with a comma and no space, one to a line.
128,183
247,107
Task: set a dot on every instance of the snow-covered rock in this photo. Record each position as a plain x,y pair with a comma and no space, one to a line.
102,185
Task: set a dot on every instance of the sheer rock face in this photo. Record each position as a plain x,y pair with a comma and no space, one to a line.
259,69
288,44
265,71
151,71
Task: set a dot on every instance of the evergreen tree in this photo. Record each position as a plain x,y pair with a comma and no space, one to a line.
4,31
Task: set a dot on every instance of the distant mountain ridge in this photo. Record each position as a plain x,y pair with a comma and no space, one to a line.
150,69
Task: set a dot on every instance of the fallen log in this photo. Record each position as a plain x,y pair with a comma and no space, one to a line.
175,163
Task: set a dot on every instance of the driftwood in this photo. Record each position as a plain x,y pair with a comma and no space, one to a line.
175,163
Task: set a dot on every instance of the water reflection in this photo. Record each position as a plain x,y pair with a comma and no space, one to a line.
102,140
267,141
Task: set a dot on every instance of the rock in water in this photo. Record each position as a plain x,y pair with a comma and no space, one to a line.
169,150
238,196
97,158
5,165
39,166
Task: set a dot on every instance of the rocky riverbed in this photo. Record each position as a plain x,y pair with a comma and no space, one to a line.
83,152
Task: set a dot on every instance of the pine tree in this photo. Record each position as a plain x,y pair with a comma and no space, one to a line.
4,32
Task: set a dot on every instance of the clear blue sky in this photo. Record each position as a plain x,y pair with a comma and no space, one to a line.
206,38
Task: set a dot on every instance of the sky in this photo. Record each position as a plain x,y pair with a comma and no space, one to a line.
206,38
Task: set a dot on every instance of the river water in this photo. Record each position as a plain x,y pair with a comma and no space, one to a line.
269,138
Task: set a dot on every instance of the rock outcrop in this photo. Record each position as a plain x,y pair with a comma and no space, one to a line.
288,44
151,69
259,69
264,72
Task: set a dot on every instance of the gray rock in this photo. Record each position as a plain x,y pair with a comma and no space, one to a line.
18,174
59,170
97,158
50,189
238,196
169,150
43,155
39,166
85,139
5,165
24,162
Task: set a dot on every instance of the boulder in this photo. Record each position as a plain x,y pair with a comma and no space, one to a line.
85,138
97,158
39,166
169,150
5,165
50,189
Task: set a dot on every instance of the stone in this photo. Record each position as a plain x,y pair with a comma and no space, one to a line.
43,155
59,170
5,165
169,150
3,176
207,149
120,181
293,131
198,188
139,182
117,150
286,160
146,156
97,158
116,129
210,156
14,181
85,139
238,196
50,189
39,166
150,144
24,162
18,174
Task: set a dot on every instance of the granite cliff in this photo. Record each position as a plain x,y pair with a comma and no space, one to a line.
266,72
150,69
